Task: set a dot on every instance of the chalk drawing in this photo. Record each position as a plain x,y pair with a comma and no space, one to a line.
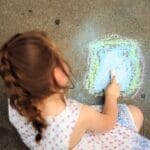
121,54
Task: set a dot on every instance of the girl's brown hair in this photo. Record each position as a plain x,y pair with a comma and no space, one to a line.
27,63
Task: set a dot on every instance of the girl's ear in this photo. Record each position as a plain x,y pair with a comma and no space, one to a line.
60,77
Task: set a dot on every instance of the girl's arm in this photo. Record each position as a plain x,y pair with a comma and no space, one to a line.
105,121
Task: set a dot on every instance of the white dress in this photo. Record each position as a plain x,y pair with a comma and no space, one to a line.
123,136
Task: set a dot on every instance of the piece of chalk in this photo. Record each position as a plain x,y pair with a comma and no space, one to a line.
112,73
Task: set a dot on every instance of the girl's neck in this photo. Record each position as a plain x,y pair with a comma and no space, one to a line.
55,99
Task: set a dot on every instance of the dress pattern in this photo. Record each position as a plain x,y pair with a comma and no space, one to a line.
123,136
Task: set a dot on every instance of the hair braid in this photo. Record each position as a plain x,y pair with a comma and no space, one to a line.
20,98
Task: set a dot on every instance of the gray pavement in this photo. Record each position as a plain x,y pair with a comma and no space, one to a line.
72,24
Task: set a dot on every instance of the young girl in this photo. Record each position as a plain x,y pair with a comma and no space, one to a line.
37,78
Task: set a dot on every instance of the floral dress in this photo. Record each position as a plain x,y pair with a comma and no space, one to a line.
123,136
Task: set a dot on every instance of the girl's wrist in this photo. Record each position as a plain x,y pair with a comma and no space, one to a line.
111,98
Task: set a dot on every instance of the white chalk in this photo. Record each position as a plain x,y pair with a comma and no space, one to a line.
112,73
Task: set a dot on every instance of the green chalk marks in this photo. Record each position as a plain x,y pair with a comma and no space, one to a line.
114,53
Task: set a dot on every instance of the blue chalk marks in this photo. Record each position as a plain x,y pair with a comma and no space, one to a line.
114,53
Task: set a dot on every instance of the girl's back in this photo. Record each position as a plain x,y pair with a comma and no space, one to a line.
59,130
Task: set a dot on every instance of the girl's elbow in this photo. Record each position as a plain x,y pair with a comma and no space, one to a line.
110,124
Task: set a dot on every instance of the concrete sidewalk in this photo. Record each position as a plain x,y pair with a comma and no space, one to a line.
72,25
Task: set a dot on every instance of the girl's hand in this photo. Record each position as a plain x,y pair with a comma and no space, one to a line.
113,89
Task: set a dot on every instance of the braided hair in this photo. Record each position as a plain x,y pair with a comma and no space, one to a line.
27,62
